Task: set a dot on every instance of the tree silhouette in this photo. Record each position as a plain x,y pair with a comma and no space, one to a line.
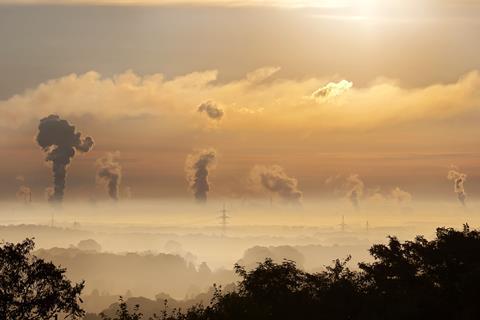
122,312
427,279
419,279
33,289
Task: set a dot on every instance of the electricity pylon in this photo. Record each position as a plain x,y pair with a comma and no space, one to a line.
224,220
343,224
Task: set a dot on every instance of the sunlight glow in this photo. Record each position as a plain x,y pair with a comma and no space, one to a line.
233,3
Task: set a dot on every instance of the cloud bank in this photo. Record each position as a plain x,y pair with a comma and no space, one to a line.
276,105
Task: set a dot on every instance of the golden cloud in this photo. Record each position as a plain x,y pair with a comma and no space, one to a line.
255,101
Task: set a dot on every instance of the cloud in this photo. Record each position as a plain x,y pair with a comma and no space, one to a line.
332,90
275,180
261,74
282,102
197,168
211,109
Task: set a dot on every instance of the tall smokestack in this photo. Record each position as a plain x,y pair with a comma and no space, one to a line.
60,141
109,172
197,168
458,179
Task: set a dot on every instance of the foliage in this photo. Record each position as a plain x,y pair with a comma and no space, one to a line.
419,279
33,289
426,279
122,312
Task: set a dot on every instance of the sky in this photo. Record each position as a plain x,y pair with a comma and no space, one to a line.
302,94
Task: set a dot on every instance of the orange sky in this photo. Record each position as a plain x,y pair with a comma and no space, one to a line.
321,92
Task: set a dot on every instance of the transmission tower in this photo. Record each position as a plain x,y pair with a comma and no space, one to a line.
224,219
343,224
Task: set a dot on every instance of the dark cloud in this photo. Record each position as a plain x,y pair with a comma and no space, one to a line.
59,140
274,179
109,172
211,109
197,168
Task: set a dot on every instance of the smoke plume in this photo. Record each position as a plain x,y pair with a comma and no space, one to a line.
197,168
212,110
354,187
127,192
60,141
400,196
24,194
459,179
109,173
274,179
48,193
